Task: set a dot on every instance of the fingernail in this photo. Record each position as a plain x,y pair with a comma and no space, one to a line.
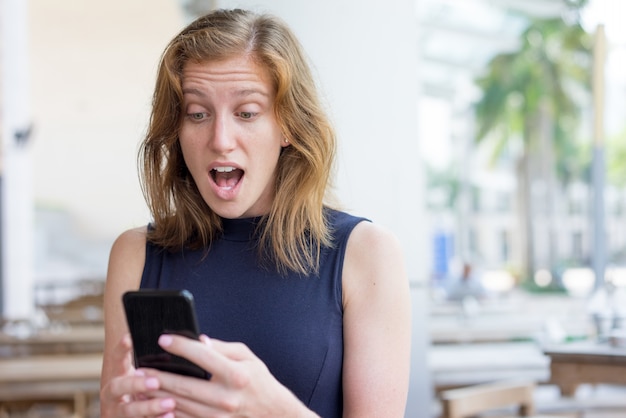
152,383
165,340
205,339
167,403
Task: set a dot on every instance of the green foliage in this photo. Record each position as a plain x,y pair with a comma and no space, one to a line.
545,77
615,154
576,4
616,159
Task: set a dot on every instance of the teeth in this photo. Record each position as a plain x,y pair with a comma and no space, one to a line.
224,169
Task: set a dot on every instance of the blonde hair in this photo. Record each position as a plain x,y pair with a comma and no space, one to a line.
295,229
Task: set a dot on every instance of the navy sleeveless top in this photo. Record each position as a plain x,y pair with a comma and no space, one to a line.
293,323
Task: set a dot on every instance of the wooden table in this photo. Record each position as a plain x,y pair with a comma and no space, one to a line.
75,339
52,377
577,363
458,365
523,317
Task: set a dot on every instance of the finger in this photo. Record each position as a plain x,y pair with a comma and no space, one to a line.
194,397
122,356
133,385
234,351
138,397
187,408
200,353
148,408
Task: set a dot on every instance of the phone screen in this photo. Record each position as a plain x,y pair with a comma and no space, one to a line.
151,313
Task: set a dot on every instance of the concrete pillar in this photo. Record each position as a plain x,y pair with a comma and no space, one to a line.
365,56
17,195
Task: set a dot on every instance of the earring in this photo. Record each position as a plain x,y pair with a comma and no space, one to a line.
286,141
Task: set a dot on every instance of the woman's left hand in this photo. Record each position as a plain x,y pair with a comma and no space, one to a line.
240,386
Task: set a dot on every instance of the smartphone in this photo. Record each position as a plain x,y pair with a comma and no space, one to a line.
149,314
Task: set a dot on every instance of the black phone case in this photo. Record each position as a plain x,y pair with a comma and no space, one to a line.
151,313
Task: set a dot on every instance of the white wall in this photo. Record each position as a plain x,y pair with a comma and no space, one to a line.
93,70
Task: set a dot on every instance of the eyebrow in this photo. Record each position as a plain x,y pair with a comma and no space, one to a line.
250,92
194,91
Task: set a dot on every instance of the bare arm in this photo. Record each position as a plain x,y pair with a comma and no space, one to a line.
126,263
124,273
377,325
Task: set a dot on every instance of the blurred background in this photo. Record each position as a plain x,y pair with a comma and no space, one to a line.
509,128
489,135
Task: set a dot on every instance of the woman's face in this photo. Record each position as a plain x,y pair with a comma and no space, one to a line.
229,135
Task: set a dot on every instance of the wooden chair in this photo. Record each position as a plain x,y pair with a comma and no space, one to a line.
486,398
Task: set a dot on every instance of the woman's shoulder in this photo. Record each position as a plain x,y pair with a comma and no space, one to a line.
132,238
126,260
372,250
129,244
374,268
361,228
369,238
368,242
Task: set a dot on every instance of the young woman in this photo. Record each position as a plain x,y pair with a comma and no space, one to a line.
305,308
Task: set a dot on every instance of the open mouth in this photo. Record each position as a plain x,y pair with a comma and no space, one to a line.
226,177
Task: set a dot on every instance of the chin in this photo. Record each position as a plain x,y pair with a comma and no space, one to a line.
229,212
232,210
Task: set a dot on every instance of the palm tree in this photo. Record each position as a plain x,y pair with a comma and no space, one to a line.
529,100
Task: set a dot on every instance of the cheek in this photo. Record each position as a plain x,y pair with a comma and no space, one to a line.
270,162
188,144
189,158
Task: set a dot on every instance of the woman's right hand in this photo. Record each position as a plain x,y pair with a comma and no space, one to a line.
127,392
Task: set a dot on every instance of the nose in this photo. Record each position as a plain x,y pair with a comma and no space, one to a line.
222,139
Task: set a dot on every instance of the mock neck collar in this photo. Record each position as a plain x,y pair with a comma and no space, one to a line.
242,229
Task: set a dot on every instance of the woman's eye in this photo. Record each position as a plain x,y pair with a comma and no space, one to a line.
196,115
246,115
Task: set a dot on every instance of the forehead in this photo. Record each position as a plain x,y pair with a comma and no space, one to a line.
235,69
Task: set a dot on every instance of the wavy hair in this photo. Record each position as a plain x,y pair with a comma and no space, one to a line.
295,229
